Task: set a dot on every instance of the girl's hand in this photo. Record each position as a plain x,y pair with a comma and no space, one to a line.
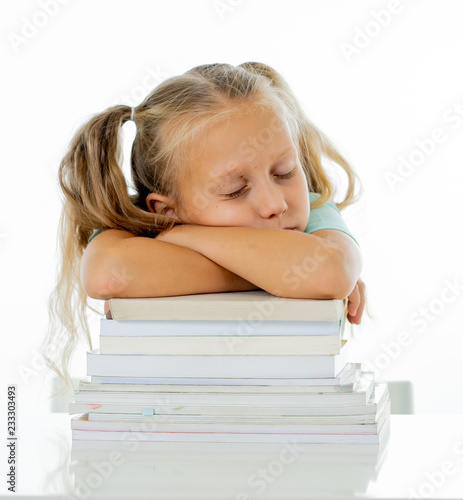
356,303
107,311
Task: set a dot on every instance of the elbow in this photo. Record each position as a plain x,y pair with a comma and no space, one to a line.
333,278
101,275
322,289
94,282
339,288
341,276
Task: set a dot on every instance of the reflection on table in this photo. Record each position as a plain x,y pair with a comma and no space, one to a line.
223,470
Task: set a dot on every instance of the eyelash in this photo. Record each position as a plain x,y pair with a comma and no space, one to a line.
240,191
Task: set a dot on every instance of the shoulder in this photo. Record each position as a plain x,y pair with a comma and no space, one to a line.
328,216
109,236
329,204
95,233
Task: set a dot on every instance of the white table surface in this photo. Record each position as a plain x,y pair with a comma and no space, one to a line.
423,459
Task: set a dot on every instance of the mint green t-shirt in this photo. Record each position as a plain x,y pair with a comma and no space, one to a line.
326,217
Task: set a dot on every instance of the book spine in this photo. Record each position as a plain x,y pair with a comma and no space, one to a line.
149,328
307,419
166,409
225,437
216,366
246,428
232,306
224,389
222,346
281,400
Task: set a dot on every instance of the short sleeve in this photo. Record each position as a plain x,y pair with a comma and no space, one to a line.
326,217
95,233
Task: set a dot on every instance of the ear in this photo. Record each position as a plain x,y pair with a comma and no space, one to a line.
161,205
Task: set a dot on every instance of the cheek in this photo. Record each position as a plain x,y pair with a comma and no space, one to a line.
230,214
210,214
300,190
197,206
300,197
224,211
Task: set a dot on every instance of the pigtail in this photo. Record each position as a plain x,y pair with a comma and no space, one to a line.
94,185
95,197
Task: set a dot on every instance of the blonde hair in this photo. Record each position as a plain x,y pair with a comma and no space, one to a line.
175,113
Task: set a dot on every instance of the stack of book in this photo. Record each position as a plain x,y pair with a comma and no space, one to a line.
228,367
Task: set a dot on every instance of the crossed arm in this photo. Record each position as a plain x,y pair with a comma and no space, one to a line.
192,259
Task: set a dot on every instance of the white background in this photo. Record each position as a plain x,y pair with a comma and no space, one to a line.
63,63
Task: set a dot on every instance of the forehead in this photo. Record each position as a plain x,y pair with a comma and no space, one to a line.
253,139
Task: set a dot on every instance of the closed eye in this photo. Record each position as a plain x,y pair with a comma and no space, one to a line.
290,174
236,193
240,191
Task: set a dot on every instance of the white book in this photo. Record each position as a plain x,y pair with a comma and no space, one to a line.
360,395
339,379
347,385
164,408
367,418
264,452
216,366
223,345
245,426
249,306
231,437
151,328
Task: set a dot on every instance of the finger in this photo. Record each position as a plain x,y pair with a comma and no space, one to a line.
354,301
358,315
362,291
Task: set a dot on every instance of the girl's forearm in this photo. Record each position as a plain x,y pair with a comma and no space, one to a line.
129,266
287,263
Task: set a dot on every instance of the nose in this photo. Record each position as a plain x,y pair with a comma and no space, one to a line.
272,202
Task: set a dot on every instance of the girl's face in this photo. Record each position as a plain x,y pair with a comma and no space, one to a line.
248,174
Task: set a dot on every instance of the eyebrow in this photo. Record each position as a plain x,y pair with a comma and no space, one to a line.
232,172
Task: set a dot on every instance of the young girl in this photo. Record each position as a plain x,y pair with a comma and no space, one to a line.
230,195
